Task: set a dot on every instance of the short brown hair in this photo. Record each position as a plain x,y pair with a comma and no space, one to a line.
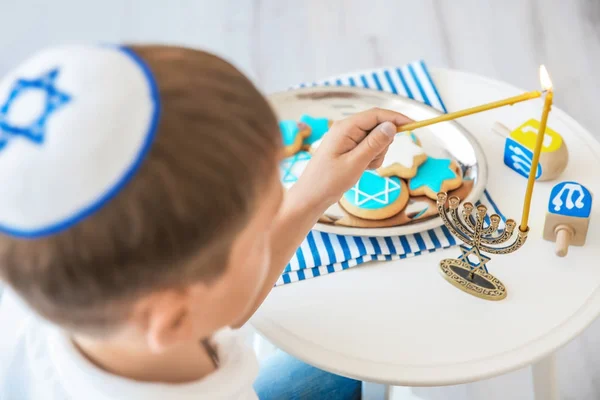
216,145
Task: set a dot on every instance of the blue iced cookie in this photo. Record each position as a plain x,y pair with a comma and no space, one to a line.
374,197
293,134
318,127
435,175
292,167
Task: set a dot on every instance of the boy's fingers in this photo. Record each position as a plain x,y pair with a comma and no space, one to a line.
378,160
376,163
353,130
375,143
369,119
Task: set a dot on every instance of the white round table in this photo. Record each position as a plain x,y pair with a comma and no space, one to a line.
400,323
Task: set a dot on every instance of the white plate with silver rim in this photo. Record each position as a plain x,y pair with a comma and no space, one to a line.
443,140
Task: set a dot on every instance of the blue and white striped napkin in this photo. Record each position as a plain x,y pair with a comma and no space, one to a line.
412,81
324,253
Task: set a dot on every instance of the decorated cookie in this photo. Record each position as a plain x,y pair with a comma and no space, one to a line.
418,209
435,175
403,157
374,197
318,128
292,167
293,134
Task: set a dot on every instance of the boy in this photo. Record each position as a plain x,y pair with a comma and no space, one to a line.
142,216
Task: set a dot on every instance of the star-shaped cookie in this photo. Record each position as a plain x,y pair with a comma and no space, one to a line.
403,158
435,175
293,134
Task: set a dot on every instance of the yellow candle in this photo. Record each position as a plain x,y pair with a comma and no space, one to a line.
546,84
473,110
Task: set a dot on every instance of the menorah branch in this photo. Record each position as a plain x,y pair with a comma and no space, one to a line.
479,220
506,234
441,208
494,222
467,211
460,225
521,239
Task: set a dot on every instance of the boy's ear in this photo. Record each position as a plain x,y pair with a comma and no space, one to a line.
168,320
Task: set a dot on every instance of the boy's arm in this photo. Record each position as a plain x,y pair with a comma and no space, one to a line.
351,146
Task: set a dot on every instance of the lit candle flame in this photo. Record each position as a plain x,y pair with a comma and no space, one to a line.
545,78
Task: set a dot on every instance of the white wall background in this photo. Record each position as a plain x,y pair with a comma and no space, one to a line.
283,42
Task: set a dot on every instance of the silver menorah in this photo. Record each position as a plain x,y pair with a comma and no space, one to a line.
470,227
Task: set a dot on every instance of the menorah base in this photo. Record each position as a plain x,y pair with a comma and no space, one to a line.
477,283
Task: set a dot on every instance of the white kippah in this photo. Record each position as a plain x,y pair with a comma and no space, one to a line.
75,124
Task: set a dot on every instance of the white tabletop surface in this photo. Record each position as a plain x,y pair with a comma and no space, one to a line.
401,323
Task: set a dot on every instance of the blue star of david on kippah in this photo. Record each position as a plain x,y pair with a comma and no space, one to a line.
34,130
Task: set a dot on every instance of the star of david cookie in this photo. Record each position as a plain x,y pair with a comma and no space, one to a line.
435,175
292,167
318,127
375,197
293,134
403,157
418,209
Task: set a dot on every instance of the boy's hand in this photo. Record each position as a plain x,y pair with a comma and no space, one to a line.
351,146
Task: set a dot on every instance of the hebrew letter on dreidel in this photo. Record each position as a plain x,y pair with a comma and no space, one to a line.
568,216
518,150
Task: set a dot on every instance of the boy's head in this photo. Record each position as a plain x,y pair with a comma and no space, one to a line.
184,238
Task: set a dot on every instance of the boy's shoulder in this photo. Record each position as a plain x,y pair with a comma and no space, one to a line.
21,377
37,361
16,373
14,317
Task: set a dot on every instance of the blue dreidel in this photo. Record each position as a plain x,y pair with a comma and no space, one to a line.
568,216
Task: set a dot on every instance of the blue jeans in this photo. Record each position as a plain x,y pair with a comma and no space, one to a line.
286,378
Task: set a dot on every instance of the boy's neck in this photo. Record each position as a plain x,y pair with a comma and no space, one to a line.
187,362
